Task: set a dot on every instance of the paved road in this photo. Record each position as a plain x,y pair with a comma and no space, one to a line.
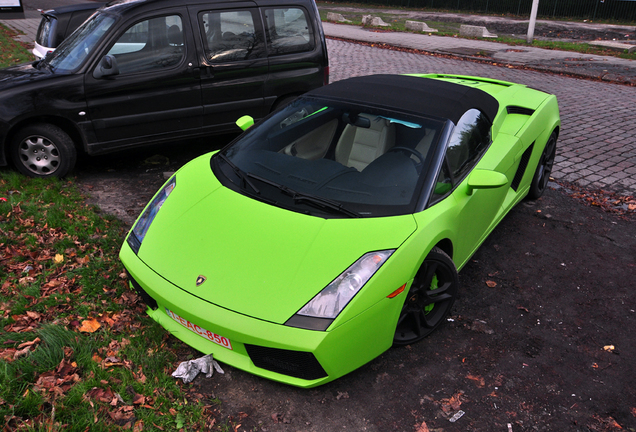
597,145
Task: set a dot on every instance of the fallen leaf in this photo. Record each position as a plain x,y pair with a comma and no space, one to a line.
59,258
28,344
20,353
89,326
139,399
139,426
491,284
478,380
422,428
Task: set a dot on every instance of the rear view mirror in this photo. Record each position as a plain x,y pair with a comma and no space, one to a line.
107,67
245,122
485,179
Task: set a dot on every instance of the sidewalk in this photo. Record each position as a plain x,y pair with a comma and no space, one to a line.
606,68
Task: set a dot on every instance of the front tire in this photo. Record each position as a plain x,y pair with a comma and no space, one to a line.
43,150
544,169
429,299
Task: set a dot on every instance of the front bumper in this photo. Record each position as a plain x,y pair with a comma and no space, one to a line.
299,357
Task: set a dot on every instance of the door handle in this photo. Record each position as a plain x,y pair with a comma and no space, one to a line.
194,70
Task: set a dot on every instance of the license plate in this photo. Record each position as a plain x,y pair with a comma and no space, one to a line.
211,336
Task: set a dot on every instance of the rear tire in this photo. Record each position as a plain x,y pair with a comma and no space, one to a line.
43,150
544,169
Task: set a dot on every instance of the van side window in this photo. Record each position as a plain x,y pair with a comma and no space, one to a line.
152,44
288,30
230,36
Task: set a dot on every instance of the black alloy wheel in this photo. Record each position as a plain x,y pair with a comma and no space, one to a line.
544,169
429,299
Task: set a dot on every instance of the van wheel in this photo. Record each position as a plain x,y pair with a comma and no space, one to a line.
43,150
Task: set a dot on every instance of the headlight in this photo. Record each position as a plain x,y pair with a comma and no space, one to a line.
140,228
328,303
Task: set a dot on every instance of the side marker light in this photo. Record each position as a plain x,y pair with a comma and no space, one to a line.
397,292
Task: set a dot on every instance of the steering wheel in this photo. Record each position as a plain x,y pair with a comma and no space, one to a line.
410,151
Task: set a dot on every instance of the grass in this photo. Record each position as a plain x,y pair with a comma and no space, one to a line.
77,351
12,52
398,23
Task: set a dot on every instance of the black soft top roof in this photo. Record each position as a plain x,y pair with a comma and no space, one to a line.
424,96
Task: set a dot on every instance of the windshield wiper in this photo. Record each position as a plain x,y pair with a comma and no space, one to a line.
240,174
309,198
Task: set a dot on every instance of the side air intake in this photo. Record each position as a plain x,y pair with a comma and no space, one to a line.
521,169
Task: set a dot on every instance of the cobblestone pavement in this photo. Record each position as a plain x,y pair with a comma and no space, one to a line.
597,143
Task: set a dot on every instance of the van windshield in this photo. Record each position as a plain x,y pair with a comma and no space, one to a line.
75,49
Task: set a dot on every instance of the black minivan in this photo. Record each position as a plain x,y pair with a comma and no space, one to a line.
58,23
147,71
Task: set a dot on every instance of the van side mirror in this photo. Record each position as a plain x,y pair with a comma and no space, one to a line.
245,122
107,67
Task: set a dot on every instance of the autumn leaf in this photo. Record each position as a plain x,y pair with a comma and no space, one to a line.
139,426
89,326
422,428
478,380
491,284
59,258
139,399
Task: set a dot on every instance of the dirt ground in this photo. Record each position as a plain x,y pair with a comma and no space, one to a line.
540,338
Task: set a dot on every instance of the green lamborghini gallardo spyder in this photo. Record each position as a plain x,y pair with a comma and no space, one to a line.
335,227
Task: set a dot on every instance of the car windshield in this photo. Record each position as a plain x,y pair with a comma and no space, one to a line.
74,49
333,160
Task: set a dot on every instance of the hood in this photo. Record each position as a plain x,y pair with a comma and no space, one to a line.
20,74
259,260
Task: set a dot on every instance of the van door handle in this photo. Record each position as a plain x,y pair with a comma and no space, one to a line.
196,71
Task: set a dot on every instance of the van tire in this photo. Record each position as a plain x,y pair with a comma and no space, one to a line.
43,150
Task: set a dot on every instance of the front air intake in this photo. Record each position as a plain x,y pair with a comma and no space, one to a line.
298,364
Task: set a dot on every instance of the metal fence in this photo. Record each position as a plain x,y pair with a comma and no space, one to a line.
623,11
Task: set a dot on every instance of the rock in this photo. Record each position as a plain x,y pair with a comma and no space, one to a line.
368,20
475,31
419,26
336,17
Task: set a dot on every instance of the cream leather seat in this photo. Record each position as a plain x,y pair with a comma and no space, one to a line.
359,146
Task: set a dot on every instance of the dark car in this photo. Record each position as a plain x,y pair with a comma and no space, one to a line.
58,23
147,71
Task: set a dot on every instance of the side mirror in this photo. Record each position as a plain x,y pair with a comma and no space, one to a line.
245,122
107,67
485,179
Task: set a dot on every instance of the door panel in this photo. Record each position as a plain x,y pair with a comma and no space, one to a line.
234,66
156,94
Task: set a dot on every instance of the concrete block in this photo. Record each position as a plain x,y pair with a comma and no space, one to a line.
336,17
614,45
475,31
368,20
419,26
